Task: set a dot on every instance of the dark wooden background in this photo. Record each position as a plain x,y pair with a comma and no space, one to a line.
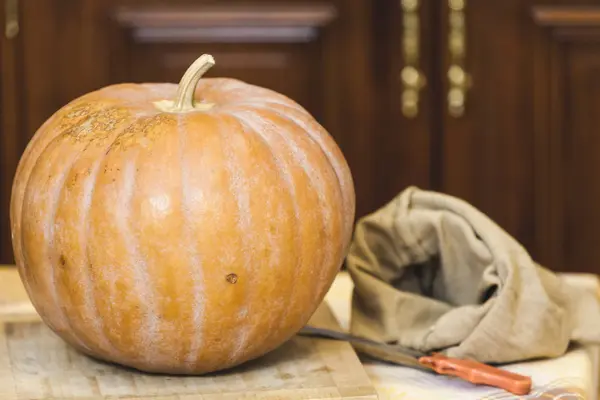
525,150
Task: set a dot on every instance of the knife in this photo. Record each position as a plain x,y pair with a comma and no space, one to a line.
468,370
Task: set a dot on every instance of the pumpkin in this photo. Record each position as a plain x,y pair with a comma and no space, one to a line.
180,228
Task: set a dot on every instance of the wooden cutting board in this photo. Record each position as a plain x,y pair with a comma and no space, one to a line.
37,365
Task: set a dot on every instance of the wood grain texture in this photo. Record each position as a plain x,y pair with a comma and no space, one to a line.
566,87
226,23
486,153
407,150
10,123
525,152
36,364
561,15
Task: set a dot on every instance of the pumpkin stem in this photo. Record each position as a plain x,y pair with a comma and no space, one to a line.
184,98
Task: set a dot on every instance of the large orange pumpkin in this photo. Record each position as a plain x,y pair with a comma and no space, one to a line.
181,236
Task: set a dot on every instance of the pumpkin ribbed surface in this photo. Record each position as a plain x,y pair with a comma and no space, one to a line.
180,242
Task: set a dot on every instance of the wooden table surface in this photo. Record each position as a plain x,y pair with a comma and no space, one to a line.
36,365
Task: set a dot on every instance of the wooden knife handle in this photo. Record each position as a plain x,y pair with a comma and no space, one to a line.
478,373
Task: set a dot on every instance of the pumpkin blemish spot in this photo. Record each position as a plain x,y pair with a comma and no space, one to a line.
231,278
286,376
62,260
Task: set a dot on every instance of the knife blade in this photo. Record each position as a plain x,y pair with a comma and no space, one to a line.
466,369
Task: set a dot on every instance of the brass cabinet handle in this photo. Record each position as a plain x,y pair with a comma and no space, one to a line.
412,78
459,79
11,15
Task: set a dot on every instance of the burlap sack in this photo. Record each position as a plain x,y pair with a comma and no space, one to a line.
431,272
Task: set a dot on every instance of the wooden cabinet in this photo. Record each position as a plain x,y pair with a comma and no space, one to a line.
522,147
566,117
525,149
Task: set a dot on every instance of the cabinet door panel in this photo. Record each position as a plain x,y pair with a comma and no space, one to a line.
58,54
487,151
525,150
407,155
567,144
